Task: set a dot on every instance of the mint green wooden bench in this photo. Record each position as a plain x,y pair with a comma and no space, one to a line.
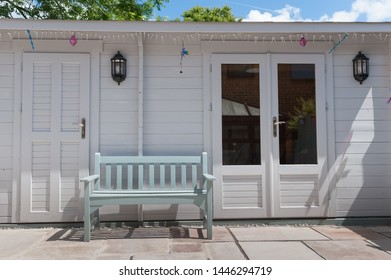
139,180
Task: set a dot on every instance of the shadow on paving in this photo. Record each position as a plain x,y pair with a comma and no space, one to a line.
76,234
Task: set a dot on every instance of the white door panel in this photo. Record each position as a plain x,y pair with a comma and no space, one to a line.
240,189
54,154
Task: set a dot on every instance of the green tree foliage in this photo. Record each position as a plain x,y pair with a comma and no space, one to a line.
80,9
198,13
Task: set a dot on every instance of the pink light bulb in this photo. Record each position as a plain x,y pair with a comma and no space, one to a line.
303,41
73,40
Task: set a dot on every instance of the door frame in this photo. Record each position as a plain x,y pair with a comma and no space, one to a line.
268,155
92,47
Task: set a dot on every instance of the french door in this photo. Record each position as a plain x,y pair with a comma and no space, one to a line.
269,135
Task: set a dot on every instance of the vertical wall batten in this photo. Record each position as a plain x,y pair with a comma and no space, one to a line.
140,94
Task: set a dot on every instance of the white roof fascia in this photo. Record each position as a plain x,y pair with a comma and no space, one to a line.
194,27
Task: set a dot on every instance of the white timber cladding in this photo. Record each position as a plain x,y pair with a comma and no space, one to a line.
363,132
173,102
6,133
119,103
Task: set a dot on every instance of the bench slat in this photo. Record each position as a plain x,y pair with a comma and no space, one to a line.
162,176
173,175
183,175
152,176
108,176
97,170
130,177
119,176
140,176
194,175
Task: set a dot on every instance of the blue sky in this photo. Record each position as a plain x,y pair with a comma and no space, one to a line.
290,10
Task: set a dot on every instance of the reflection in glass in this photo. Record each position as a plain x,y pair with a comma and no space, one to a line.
297,109
240,114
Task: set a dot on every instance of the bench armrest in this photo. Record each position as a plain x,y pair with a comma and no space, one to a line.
208,181
89,179
209,177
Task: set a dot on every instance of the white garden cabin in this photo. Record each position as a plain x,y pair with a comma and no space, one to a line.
288,130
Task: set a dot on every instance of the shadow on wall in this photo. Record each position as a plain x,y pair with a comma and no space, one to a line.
363,147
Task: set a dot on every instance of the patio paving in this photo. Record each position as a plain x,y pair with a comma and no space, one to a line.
290,250
276,233
189,243
348,250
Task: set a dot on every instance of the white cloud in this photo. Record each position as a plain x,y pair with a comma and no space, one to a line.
288,13
341,16
370,10
375,10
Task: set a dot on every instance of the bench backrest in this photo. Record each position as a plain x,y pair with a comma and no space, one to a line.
149,172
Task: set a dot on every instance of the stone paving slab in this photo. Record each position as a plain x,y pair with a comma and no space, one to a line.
181,256
290,250
380,229
276,233
348,250
224,251
14,242
348,233
383,244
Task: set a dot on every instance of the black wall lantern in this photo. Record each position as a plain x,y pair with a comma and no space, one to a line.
360,67
118,68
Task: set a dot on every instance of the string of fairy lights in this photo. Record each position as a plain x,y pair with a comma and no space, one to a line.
166,38
178,38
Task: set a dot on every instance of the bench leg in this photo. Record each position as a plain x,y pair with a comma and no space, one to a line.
87,224
87,218
209,214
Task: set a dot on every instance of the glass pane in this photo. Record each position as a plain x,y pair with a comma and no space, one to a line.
297,111
240,114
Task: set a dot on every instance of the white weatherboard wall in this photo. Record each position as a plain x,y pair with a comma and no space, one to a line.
173,105
363,132
118,103
6,132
